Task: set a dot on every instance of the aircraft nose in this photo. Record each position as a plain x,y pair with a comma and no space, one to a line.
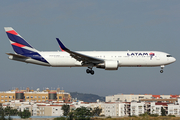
173,59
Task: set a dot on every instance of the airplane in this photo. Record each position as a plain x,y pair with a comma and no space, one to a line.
108,60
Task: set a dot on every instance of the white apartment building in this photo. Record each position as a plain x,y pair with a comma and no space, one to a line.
111,109
173,109
136,97
34,110
122,110
126,98
155,109
137,108
56,110
101,105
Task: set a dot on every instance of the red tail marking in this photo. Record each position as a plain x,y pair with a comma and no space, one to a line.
17,44
61,49
12,32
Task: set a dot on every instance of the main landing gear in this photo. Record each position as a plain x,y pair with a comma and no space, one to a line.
89,70
162,66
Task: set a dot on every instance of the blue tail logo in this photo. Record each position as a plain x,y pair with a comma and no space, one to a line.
18,43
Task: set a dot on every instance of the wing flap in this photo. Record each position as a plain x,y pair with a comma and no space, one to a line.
84,58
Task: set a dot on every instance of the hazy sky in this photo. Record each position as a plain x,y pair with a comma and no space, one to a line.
85,25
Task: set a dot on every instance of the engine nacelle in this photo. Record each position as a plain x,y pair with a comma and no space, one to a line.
111,65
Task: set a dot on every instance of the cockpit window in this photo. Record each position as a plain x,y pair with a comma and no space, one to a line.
169,55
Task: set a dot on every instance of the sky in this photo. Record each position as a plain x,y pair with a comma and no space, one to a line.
92,25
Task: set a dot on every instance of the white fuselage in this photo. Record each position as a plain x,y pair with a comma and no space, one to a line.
124,58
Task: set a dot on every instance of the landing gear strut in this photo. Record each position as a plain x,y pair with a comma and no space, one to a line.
89,70
162,66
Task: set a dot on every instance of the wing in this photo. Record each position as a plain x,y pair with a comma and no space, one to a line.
80,57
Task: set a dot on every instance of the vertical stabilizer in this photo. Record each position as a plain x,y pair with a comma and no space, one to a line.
18,43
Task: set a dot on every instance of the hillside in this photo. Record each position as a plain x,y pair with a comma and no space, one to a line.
86,97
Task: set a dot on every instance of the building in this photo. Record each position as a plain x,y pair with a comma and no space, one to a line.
113,109
37,96
48,104
136,98
7,96
137,108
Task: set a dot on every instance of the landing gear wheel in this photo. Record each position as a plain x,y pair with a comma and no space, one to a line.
88,71
92,72
162,66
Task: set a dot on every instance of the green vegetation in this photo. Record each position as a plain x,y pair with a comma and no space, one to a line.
8,111
163,112
24,114
148,114
81,113
171,116
60,118
97,111
66,109
125,118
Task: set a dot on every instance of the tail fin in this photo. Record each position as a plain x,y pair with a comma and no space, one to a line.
18,43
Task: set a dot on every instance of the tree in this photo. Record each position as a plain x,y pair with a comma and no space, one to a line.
82,113
2,114
96,111
9,118
24,114
5,112
66,109
71,115
60,118
13,112
163,112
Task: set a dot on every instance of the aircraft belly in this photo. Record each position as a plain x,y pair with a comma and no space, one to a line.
133,62
146,62
62,62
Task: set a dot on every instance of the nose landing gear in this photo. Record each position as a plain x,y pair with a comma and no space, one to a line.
162,66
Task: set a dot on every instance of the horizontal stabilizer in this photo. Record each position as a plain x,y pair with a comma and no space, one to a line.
17,55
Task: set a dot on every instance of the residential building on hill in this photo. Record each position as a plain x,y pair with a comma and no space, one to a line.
114,109
37,96
48,103
139,97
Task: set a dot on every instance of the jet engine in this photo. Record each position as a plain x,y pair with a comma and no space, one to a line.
109,65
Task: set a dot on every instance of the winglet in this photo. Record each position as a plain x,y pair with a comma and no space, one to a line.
63,48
